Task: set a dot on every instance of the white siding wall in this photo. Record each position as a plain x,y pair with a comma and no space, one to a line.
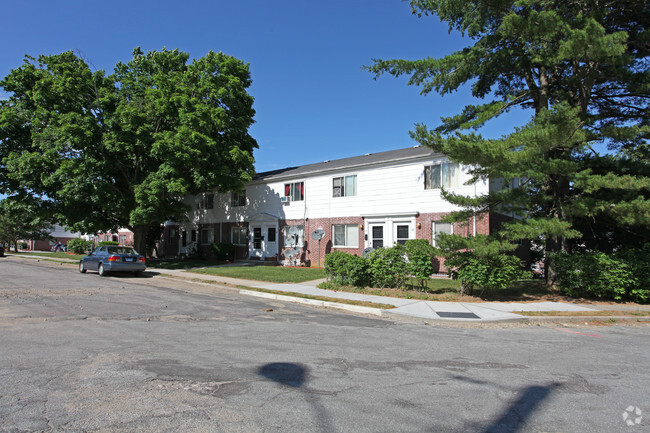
387,190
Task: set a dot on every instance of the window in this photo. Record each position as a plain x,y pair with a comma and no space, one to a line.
207,236
377,237
439,227
206,202
443,175
294,236
401,234
296,191
271,235
344,186
193,237
346,235
122,239
184,238
239,236
238,199
257,238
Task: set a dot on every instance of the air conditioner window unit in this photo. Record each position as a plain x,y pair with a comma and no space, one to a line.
285,199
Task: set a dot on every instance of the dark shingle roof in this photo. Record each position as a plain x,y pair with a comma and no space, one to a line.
369,159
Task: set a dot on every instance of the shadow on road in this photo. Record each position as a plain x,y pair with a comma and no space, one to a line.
514,418
295,376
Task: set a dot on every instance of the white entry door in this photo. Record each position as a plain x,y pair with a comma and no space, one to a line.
376,235
264,240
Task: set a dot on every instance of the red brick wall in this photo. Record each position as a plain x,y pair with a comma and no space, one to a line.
423,231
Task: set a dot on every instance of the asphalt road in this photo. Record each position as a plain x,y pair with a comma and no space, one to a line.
81,353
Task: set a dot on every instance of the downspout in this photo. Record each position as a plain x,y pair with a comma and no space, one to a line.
474,214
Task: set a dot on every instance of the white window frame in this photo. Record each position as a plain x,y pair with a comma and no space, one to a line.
344,189
241,238
206,201
293,191
238,199
350,233
301,236
445,180
434,232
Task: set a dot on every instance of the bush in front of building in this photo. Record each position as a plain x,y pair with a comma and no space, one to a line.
420,254
79,246
346,269
487,273
387,267
108,243
619,276
223,251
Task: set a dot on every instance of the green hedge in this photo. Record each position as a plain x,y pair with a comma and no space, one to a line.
347,269
619,276
79,246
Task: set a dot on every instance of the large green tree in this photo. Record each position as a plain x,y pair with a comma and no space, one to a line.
581,67
22,220
123,150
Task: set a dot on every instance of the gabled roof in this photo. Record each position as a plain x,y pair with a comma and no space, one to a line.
365,161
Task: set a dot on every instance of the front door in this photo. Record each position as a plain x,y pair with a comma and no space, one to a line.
377,234
264,242
401,234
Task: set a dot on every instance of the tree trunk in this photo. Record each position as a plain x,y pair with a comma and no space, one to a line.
140,232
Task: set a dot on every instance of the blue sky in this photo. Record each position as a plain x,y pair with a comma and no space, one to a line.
312,99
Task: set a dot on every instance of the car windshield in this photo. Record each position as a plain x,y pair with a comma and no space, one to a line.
121,250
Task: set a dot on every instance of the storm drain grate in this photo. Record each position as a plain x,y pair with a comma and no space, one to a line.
448,315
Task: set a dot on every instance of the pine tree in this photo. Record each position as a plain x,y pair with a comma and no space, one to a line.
581,66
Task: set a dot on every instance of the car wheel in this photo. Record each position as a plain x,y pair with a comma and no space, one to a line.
102,272
82,268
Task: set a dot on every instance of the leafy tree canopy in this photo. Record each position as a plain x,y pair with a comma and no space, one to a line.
121,150
581,66
22,219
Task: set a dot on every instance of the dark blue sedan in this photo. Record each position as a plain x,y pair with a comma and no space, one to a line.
113,259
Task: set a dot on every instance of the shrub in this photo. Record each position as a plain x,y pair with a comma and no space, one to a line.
387,267
79,246
617,276
224,251
346,269
107,243
493,272
420,255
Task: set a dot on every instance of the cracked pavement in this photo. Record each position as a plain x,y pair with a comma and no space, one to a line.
80,353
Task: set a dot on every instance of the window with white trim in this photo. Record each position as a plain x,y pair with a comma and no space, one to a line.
294,236
345,235
238,199
442,175
295,191
239,236
206,201
344,186
440,227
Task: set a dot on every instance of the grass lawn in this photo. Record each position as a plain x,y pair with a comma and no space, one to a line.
274,274
447,290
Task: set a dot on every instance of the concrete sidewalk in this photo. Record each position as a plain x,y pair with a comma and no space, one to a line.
417,309
427,310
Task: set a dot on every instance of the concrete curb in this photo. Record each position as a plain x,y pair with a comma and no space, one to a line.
316,302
